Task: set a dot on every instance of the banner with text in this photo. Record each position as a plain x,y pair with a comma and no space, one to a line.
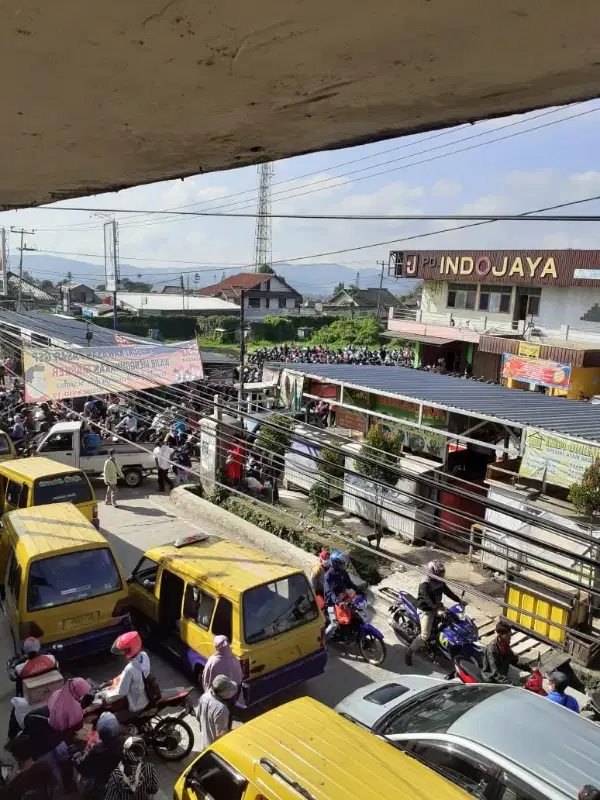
56,373
403,409
537,371
555,459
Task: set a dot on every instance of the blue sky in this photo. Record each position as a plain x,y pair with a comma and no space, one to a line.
553,164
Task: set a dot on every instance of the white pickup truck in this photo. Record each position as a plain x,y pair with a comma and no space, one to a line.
65,443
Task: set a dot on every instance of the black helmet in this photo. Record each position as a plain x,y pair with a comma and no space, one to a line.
560,681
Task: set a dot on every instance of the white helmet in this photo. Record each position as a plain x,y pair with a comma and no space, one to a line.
39,416
18,418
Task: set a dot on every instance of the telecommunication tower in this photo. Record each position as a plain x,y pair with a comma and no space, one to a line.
263,254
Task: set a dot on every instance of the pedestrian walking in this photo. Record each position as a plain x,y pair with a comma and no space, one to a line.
222,662
111,474
163,455
213,710
134,778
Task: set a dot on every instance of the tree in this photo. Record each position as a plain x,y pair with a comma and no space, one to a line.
585,495
100,287
134,286
318,500
265,269
274,441
339,288
364,332
47,286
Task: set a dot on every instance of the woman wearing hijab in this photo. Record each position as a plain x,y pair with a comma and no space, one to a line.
94,766
66,712
134,778
222,662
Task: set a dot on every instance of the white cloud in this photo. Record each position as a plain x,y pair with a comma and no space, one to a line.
446,188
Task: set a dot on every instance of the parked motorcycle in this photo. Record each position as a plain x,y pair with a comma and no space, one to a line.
355,628
468,672
170,736
454,633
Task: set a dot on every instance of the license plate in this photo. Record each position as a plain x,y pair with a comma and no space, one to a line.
77,622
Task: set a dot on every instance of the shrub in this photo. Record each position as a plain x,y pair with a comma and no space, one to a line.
364,332
318,499
585,495
383,448
170,326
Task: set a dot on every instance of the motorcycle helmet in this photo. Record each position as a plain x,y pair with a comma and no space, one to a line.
128,645
338,559
559,681
436,568
31,645
18,418
324,558
134,749
39,416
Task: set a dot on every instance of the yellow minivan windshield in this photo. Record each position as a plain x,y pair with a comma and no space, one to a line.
277,607
68,578
70,488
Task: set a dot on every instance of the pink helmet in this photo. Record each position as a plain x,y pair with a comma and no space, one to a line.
128,645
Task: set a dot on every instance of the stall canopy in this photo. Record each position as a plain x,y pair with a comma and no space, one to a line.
100,96
486,401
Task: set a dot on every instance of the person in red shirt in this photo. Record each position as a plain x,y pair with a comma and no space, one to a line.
233,467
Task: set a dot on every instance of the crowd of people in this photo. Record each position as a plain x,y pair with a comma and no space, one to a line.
317,354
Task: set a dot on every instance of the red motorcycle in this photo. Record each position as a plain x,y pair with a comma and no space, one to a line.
170,736
469,672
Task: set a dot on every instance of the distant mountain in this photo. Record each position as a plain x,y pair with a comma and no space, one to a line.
317,280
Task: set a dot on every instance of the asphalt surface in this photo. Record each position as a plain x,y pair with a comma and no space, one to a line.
144,519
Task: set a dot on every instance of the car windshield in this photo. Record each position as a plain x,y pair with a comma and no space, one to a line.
277,607
71,577
439,709
71,488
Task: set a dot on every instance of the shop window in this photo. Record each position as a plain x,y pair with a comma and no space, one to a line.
462,295
495,299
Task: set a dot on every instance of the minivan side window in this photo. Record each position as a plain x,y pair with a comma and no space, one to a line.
222,624
13,576
13,492
24,496
212,778
466,770
198,606
145,574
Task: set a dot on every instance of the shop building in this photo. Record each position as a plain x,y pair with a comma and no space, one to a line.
529,319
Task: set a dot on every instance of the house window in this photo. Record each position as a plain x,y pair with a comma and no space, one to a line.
495,299
462,295
282,302
254,302
533,304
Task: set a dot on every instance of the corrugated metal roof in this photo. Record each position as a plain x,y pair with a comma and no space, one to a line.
498,403
578,354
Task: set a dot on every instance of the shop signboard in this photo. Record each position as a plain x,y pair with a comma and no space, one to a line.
529,350
421,442
352,420
328,391
537,371
556,459
403,409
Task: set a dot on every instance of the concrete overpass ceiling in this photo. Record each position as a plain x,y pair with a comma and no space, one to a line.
98,96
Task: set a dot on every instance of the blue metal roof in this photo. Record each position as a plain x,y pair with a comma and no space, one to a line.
463,396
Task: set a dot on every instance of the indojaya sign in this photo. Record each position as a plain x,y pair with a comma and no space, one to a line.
527,268
56,373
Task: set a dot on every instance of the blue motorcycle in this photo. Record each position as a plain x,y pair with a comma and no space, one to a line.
454,634
355,628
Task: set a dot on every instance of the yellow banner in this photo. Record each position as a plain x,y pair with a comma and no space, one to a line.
555,459
530,350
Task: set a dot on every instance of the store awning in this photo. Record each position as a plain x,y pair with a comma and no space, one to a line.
418,337
101,96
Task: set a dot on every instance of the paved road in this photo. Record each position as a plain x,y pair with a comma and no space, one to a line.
145,519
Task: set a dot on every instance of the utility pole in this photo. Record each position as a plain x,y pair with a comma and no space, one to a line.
242,350
188,291
115,244
23,247
4,263
380,288
182,292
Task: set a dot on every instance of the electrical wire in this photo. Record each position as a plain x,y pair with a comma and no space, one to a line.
355,544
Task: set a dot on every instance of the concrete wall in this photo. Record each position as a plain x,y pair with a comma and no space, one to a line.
434,301
567,307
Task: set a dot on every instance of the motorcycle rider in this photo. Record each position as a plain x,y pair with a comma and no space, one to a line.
498,657
34,663
130,685
336,583
557,694
429,603
317,574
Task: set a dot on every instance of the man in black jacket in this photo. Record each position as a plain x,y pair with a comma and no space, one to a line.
429,602
499,657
